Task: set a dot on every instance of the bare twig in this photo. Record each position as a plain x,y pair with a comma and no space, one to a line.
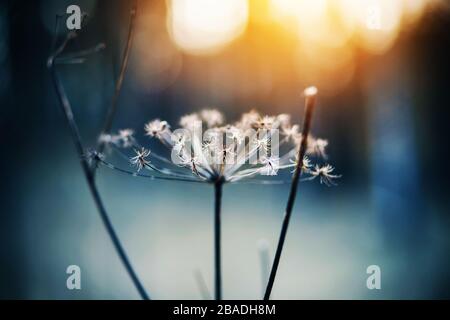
310,94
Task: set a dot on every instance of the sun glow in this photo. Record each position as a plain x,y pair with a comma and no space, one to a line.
375,24
318,21
316,41
206,26
378,22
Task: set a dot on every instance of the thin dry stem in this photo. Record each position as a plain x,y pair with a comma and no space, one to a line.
310,103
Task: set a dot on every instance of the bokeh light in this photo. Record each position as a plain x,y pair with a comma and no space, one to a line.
157,62
378,22
318,21
375,23
328,33
325,34
205,26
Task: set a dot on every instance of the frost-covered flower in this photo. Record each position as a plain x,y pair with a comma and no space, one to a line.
266,122
290,132
248,120
307,165
325,174
156,127
235,134
107,139
125,136
93,156
123,139
212,117
189,120
284,120
246,149
271,166
140,159
179,140
317,147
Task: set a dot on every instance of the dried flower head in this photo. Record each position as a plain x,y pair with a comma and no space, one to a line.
256,145
189,120
156,128
93,156
140,159
125,136
212,117
306,166
124,139
324,174
317,147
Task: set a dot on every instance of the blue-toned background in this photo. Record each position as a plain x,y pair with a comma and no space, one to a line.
386,125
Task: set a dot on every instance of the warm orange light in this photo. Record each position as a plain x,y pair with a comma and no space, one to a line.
156,62
378,21
330,68
206,26
318,21
333,22
414,8
310,91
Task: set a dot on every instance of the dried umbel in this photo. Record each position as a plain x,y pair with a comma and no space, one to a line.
210,150
205,149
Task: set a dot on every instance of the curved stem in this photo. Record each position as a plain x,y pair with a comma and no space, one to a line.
151,177
67,109
76,137
218,185
309,108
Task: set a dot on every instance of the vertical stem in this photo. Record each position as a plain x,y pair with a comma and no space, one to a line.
309,108
217,238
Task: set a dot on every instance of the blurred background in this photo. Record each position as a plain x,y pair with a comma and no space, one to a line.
382,69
